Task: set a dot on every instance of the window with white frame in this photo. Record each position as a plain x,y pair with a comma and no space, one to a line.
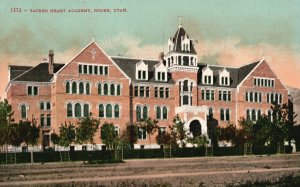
141,71
224,114
142,112
208,95
253,96
78,87
142,134
224,77
32,90
224,95
45,105
161,92
109,110
264,82
274,98
77,110
93,69
253,114
207,76
141,91
161,72
161,112
23,107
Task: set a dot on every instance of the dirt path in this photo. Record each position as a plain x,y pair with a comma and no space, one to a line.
214,171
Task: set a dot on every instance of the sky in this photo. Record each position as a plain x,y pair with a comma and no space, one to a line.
229,32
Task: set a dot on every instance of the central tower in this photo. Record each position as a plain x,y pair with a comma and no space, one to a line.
181,61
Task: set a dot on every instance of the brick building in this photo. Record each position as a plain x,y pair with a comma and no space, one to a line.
124,90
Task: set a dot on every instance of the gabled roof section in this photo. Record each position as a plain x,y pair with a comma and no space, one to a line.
38,73
237,75
15,70
180,33
128,65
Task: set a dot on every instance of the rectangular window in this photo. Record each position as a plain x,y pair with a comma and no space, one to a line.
147,92
142,134
32,90
161,92
29,90
96,70
142,91
136,91
90,69
80,68
163,77
85,70
156,92
209,79
167,93
203,94
48,120
42,123
139,74
101,70
105,70
159,76
144,75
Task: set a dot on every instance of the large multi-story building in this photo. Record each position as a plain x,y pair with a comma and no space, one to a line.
125,90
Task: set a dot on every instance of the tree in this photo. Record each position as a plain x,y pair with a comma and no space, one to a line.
85,132
66,135
109,135
199,141
178,132
163,138
130,135
149,125
6,119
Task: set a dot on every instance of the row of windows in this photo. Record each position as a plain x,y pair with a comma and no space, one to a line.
142,91
142,75
78,110
253,114
109,111
45,105
161,92
78,87
208,95
208,79
109,89
45,120
32,90
264,82
253,97
274,97
161,76
225,81
93,69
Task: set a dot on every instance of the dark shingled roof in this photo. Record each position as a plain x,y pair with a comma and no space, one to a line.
237,75
128,66
180,33
15,71
38,73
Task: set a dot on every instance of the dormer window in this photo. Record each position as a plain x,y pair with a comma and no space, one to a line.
160,72
141,71
185,43
207,76
170,44
224,78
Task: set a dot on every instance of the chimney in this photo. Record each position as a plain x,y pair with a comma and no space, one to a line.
51,62
161,57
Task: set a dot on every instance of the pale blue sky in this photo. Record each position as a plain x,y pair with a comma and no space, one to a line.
275,22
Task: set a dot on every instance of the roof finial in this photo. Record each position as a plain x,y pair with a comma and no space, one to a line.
180,21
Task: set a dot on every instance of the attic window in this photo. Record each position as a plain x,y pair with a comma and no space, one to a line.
208,79
161,76
207,76
225,81
142,75
224,77
141,71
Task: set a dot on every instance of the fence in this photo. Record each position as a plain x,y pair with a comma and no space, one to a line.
57,156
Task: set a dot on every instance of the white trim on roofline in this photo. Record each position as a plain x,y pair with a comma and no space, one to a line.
279,80
238,86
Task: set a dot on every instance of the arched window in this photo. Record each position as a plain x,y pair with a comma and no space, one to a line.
185,85
118,89
227,115
48,106
77,110
117,111
74,87
165,113
158,113
86,110
138,113
69,110
253,115
222,114
145,112
23,112
105,88
108,111
248,114
81,88
99,89
258,113
67,87
87,88
112,89
42,107
101,111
